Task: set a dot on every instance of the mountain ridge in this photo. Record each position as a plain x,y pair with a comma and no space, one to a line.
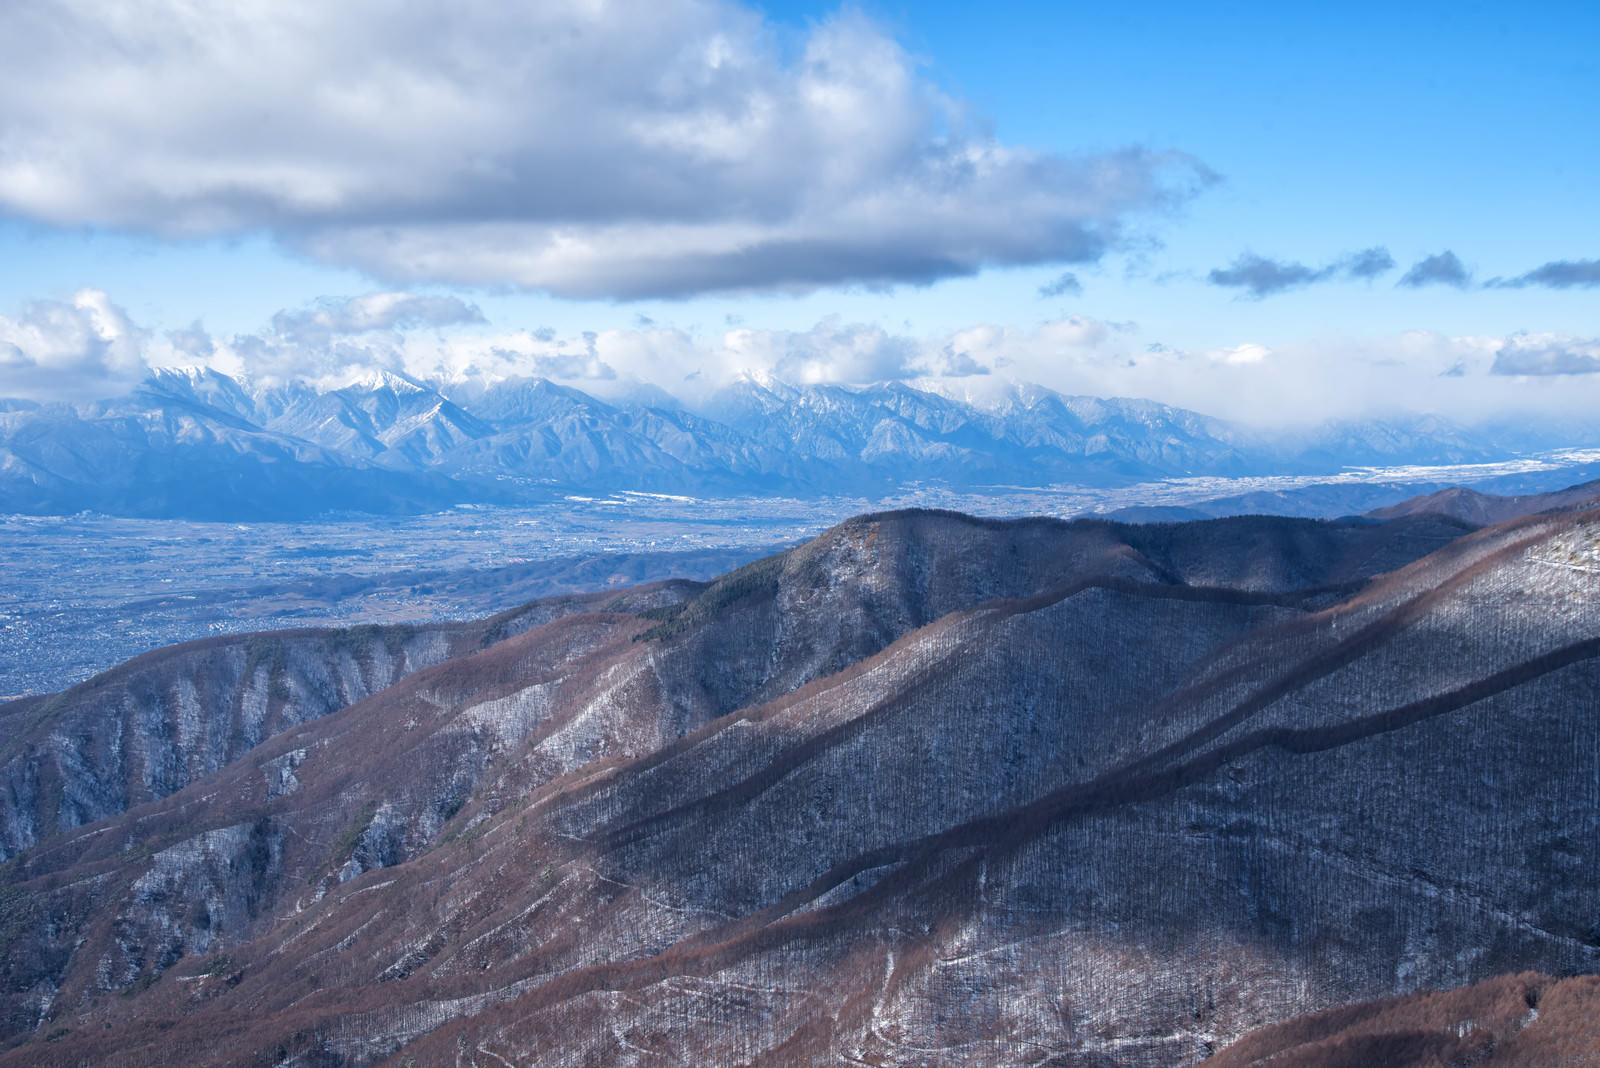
1482,508
925,783
196,442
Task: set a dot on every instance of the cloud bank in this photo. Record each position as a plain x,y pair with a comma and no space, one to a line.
588,148
89,349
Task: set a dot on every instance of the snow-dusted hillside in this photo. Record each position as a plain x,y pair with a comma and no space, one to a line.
926,789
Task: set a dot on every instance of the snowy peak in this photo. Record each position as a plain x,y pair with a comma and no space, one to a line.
519,438
377,380
203,387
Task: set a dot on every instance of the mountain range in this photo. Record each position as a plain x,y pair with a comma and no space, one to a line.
926,789
200,444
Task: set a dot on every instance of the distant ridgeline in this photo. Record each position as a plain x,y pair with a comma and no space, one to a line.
199,444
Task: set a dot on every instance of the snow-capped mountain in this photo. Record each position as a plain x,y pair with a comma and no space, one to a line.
388,418
198,442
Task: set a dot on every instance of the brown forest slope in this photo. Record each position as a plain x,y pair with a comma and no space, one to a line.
924,790
1470,506
1514,1021
153,725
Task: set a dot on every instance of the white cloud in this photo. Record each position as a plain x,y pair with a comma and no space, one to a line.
831,351
591,148
90,348
1547,354
324,339
60,351
1286,385
1240,354
330,318
1067,353
1306,382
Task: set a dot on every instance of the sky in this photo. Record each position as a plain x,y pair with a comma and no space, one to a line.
1276,213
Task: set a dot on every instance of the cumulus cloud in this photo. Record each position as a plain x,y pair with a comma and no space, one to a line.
1547,354
562,366
592,360
615,149
1065,284
1557,274
952,363
1443,269
1288,384
1037,353
194,342
688,366
831,351
71,351
330,318
1261,277
88,348
324,339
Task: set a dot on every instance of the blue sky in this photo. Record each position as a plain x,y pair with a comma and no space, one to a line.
1299,136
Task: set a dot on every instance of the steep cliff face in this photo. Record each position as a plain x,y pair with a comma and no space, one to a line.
924,790
147,729
152,727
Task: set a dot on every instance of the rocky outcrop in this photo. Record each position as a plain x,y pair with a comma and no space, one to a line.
149,728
